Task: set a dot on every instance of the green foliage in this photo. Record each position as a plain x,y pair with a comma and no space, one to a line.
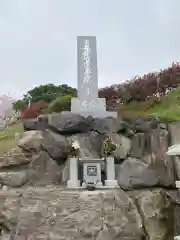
108,147
9,133
49,92
19,105
167,108
60,104
125,129
43,93
7,137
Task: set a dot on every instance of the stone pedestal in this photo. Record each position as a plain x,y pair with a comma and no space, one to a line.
96,110
177,184
73,181
110,172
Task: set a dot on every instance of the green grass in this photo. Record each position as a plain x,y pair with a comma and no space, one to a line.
166,108
7,137
10,132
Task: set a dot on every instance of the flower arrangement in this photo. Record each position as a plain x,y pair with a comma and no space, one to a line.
108,147
73,148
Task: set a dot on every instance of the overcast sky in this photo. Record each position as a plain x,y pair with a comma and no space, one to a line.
38,39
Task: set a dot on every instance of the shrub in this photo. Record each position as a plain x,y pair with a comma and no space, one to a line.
60,104
149,86
34,110
108,92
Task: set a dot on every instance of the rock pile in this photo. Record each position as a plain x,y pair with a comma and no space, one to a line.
142,209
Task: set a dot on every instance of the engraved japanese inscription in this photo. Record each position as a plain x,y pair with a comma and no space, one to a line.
87,72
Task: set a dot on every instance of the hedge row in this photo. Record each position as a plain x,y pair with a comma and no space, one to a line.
139,88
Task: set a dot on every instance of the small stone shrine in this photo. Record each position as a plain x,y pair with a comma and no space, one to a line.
89,104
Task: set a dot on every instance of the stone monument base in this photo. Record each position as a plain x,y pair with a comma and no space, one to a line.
111,183
73,184
97,110
97,104
95,114
98,185
177,184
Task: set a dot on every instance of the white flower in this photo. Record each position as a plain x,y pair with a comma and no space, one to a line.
75,145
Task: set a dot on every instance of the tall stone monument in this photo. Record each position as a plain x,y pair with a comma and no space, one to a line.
88,103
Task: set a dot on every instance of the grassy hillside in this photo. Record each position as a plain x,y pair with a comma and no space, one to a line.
7,137
167,107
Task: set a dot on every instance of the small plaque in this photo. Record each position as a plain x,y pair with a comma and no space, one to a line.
92,170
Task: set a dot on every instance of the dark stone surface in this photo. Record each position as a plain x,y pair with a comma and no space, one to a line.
55,145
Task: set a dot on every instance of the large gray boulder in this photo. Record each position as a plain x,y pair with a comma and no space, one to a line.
31,140
141,145
30,124
59,214
174,198
162,163
43,170
89,144
43,122
157,213
105,125
55,145
151,147
54,213
39,170
13,159
39,123
123,145
68,123
71,123
13,178
143,123
174,131
133,174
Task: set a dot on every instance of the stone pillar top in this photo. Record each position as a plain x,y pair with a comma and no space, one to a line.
88,102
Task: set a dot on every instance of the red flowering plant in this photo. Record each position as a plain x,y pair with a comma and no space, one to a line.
34,110
140,88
